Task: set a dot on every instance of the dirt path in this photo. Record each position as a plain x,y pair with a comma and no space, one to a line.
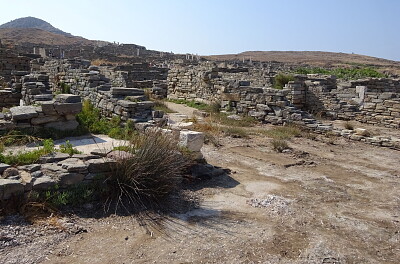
319,203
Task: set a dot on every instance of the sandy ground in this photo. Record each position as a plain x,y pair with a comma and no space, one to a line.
318,203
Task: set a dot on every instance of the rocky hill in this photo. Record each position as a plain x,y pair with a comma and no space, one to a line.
33,22
316,58
29,36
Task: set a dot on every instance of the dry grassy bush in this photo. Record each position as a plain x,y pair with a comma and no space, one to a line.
153,171
279,145
235,132
348,126
211,132
222,118
283,132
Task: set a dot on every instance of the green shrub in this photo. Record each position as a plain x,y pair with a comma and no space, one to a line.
281,80
74,195
28,157
222,118
344,73
91,119
69,148
64,88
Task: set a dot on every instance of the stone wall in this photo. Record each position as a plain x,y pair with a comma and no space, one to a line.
232,89
9,98
138,75
58,114
10,62
36,88
56,169
128,103
373,101
205,82
246,90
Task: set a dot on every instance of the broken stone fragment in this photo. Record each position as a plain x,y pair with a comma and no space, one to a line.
3,167
9,172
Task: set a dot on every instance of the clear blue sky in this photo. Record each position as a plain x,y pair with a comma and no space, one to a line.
219,27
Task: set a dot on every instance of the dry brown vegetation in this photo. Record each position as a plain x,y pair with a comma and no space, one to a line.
314,58
38,36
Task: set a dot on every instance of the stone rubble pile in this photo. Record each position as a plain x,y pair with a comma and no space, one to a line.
36,88
54,169
59,114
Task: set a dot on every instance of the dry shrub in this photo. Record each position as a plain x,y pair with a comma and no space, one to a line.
348,126
283,132
279,145
235,132
211,132
155,170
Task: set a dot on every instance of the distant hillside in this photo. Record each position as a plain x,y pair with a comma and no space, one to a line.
23,36
315,58
33,22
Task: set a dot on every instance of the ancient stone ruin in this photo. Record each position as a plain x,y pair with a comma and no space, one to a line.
47,92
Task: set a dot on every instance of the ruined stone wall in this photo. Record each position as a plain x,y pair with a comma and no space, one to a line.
205,82
128,103
10,62
58,114
8,98
233,90
373,101
36,88
138,75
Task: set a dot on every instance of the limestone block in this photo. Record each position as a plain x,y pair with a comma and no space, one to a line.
192,140
70,178
6,125
126,91
23,112
43,183
48,108
44,119
68,108
10,187
53,157
67,98
100,165
63,125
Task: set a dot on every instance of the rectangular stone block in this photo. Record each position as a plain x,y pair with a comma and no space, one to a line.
192,140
